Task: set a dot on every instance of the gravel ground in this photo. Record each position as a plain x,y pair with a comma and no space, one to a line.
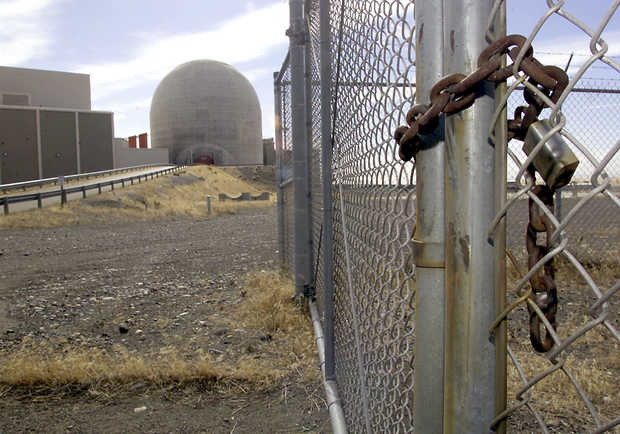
164,282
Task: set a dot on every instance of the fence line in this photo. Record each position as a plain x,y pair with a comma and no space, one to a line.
377,226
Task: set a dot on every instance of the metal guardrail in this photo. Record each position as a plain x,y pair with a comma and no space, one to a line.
42,182
64,192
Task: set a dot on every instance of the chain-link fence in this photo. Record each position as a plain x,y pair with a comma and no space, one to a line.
284,163
571,384
574,386
592,118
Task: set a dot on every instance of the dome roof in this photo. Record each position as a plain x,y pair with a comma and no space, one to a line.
207,109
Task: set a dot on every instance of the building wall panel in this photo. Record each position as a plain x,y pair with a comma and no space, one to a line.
18,146
96,141
58,143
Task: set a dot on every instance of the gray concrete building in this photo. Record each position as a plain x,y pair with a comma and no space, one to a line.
207,111
36,87
47,128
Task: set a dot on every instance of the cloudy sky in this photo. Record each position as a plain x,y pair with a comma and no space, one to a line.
128,46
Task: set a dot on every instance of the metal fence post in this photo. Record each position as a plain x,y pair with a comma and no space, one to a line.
471,372
301,181
280,199
429,239
326,158
309,136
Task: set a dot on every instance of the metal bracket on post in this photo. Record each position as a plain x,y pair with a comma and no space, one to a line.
310,292
429,255
299,37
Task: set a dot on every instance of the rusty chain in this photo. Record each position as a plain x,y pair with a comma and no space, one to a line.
544,290
456,92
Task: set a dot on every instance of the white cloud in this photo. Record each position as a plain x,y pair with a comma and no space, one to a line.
24,33
241,39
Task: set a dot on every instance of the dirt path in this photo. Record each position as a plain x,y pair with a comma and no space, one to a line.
168,283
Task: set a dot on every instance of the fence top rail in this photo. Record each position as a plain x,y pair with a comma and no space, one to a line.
283,68
37,182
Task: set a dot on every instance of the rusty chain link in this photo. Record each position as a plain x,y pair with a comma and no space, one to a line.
544,290
456,92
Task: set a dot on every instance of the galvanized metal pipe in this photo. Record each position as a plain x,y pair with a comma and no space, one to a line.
334,405
326,158
429,239
470,376
301,181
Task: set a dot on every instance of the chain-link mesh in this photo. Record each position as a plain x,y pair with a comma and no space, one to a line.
314,69
574,387
283,93
592,116
374,214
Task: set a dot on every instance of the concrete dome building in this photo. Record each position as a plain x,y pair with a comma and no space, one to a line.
207,111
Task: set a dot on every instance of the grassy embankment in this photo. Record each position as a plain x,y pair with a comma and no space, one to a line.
166,197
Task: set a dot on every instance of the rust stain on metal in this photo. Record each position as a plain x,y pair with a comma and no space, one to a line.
465,250
452,40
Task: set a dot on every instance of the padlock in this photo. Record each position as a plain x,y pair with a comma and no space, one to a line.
555,161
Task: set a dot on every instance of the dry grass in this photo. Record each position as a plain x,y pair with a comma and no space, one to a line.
165,197
556,397
593,359
43,367
270,308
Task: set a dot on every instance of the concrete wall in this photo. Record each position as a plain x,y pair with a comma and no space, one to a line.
269,152
58,143
47,88
96,141
124,156
18,145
